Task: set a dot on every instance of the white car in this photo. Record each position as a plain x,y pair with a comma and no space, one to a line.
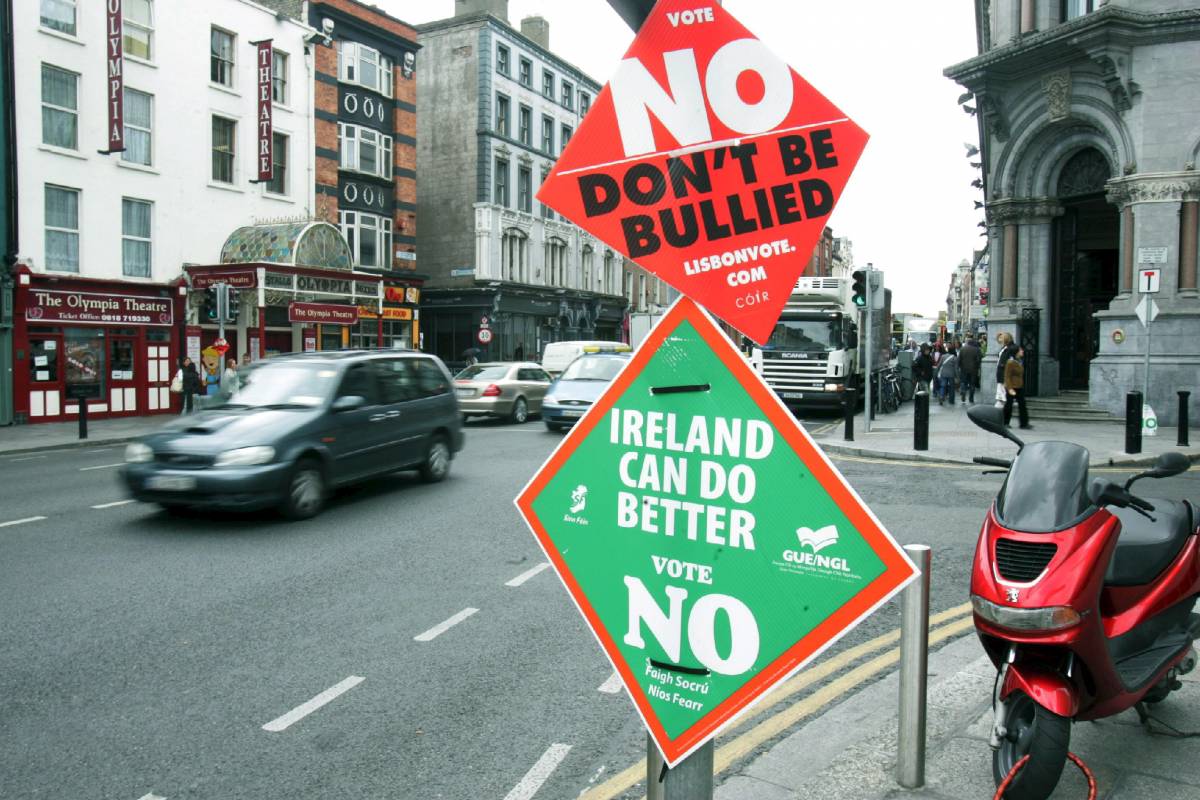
558,354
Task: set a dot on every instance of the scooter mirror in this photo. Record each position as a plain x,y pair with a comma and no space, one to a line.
991,419
1165,466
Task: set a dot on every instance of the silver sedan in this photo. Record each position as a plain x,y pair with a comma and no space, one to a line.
512,390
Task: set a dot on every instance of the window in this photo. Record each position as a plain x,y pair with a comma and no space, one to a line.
62,228
547,135
365,150
1077,8
60,108
135,238
221,60
607,280
365,66
514,255
548,83
525,74
566,136
431,381
524,190
279,71
500,196
502,114
139,108
224,149
502,59
397,382
524,124
360,382
59,15
138,28
585,102
568,95
279,161
369,237
556,262
546,212
586,262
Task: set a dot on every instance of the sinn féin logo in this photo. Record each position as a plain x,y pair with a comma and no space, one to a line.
808,558
578,504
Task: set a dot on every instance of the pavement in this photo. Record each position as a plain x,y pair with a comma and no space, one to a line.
953,437
849,752
16,439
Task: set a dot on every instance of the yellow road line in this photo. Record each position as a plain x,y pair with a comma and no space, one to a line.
627,778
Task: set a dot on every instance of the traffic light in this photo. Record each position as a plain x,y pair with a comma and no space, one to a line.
232,306
209,311
859,289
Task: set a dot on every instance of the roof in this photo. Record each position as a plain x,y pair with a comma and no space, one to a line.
307,243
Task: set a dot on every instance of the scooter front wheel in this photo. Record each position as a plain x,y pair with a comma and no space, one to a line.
1040,734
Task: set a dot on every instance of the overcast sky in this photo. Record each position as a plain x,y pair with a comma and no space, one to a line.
909,205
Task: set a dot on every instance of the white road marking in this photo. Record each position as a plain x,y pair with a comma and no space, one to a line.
115,503
438,630
539,772
20,521
524,576
612,685
26,458
151,796
101,466
300,712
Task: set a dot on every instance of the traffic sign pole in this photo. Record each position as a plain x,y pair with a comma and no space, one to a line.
865,336
691,779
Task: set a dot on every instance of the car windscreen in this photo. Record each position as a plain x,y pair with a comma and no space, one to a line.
285,383
592,368
818,335
1046,488
483,372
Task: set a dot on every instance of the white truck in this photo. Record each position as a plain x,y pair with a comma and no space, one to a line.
816,351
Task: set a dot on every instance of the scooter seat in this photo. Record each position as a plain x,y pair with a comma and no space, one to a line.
1146,548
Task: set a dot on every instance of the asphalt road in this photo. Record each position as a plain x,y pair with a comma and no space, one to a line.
141,655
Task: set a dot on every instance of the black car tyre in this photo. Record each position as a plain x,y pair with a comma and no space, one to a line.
305,491
520,411
437,460
1040,734
553,427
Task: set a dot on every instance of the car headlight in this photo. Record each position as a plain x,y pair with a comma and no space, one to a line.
138,453
1051,618
245,457
549,399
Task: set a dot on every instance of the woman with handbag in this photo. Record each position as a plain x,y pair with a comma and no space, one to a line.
187,383
1014,387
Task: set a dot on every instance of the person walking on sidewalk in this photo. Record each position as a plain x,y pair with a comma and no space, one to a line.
969,359
190,384
948,376
1014,387
1007,350
923,369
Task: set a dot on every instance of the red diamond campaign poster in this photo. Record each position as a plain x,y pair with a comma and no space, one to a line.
709,544
709,162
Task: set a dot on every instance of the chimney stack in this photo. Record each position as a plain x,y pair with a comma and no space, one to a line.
537,29
497,8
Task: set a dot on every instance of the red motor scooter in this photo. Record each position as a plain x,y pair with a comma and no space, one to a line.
1083,596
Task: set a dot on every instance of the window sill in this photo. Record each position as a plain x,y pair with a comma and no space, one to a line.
282,107
139,60
278,198
66,37
62,151
123,164
225,187
226,89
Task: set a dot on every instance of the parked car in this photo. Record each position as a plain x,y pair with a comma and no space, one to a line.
512,390
573,392
299,426
557,355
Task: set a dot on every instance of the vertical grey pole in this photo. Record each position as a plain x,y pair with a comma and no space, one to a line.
869,347
1146,377
914,663
692,778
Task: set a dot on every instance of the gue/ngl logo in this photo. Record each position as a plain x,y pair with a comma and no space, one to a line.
816,541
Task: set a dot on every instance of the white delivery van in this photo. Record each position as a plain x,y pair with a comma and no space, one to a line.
558,354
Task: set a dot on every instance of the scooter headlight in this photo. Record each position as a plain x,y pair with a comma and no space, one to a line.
1052,618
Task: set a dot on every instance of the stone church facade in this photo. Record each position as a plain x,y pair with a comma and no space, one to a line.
1089,136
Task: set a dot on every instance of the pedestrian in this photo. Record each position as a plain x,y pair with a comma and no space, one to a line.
229,379
939,350
189,383
969,360
1007,350
519,354
923,369
948,376
1014,387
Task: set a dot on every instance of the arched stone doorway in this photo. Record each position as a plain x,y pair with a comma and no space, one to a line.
1084,278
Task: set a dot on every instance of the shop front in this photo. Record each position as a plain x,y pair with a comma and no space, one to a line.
115,342
513,324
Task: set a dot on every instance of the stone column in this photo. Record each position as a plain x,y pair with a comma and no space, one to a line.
1189,221
1028,16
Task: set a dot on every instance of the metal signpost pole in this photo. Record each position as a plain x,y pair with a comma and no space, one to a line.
692,778
914,660
1146,377
866,337
222,308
